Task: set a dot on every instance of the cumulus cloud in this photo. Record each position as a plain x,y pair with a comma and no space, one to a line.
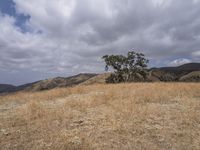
179,62
65,37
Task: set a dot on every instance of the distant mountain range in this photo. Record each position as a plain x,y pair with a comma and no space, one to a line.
6,88
186,67
47,84
185,73
181,73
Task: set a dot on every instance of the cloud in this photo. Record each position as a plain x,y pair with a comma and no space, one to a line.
196,54
179,62
65,37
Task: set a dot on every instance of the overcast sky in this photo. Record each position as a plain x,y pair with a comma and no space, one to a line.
48,38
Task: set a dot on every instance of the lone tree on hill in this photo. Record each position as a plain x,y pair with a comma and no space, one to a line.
126,68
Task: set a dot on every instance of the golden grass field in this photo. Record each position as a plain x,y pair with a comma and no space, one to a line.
137,116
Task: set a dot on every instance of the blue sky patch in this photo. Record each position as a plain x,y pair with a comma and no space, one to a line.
8,7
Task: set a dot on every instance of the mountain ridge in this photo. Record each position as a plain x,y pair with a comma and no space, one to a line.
189,72
49,83
6,87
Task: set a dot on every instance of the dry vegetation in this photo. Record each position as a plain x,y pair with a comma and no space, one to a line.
137,116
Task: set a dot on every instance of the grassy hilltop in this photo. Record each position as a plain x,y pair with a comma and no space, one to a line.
150,116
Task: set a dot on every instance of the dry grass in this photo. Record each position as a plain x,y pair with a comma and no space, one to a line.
137,116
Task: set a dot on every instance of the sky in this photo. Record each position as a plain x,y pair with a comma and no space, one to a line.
42,39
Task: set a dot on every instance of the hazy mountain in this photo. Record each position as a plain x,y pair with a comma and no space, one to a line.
6,88
186,67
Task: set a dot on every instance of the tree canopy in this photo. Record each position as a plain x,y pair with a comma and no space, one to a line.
126,68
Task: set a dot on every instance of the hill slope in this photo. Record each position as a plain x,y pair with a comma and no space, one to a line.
186,67
6,88
193,76
166,74
59,82
98,79
173,73
48,84
134,116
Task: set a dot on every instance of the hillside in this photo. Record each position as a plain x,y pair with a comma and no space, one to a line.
48,84
98,79
6,88
166,74
193,76
185,67
59,82
135,116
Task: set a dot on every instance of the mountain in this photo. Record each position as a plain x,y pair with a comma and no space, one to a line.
48,84
174,73
59,82
6,88
98,79
191,77
185,73
186,67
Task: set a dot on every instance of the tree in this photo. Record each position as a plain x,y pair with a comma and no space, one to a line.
126,68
